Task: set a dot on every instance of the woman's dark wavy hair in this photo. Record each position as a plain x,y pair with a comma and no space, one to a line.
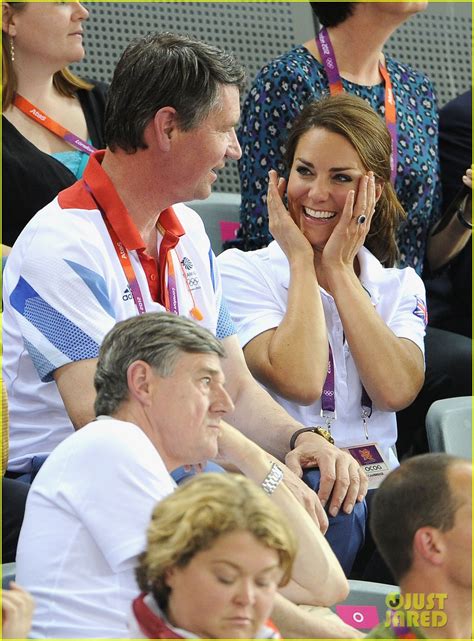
330,14
353,118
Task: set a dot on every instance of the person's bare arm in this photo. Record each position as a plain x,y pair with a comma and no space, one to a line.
317,577
266,423
291,359
296,623
5,250
375,348
75,383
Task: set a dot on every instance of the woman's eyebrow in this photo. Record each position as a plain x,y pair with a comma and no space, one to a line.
305,162
310,164
237,567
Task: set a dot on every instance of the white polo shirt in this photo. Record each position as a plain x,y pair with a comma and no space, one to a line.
256,289
85,524
64,289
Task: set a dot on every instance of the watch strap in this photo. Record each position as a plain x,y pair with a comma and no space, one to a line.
296,434
316,430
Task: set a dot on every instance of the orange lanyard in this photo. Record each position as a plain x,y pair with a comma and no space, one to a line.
328,59
48,123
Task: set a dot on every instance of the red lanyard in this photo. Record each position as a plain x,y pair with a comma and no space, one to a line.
48,123
328,59
169,292
124,259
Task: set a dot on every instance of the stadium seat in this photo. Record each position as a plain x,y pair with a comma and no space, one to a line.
219,207
449,426
8,574
365,606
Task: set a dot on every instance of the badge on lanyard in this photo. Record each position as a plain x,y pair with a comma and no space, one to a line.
370,457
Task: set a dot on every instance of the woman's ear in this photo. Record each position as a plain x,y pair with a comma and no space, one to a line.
378,190
168,578
8,26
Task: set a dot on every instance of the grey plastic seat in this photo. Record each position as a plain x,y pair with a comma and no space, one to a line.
8,574
449,426
365,594
218,207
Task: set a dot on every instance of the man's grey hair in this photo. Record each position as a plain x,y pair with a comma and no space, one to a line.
165,70
155,338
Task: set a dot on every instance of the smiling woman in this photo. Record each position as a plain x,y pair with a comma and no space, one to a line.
306,305
217,551
51,119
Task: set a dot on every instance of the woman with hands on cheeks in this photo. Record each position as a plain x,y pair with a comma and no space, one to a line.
328,325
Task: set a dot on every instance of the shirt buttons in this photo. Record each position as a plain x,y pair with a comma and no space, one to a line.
152,278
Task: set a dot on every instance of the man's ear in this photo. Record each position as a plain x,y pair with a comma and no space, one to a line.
139,381
165,124
428,544
8,23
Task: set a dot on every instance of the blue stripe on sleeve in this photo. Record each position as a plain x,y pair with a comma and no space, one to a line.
59,330
225,324
96,284
211,264
44,367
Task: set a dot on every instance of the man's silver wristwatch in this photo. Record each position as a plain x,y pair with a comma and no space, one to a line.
273,479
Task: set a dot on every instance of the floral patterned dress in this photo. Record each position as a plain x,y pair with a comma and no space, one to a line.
281,90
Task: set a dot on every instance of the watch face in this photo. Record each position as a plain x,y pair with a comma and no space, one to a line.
324,433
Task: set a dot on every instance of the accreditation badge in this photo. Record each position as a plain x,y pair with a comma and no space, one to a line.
370,456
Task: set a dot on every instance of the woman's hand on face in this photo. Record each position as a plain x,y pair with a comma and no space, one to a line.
351,231
282,227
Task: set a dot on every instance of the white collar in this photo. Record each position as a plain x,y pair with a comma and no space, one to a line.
372,272
155,608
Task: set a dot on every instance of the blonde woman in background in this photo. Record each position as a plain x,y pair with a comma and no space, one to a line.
218,549
51,118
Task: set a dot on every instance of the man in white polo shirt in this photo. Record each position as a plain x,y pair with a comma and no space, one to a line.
160,400
116,244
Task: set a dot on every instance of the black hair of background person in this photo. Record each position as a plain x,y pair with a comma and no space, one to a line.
449,292
331,14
